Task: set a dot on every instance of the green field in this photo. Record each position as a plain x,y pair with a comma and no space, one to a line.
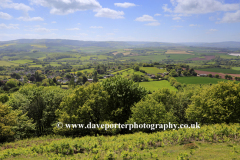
128,73
6,63
22,61
153,70
236,68
156,85
32,66
199,80
220,70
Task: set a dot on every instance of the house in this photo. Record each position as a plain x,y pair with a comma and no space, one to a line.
153,76
90,80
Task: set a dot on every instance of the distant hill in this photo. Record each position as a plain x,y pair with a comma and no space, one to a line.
52,45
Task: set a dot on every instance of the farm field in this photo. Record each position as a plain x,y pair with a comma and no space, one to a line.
146,58
128,72
6,63
153,70
22,61
180,57
32,66
156,85
236,68
167,145
199,80
220,70
176,52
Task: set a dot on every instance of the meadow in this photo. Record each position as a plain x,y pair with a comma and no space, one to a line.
23,61
220,70
6,63
153,70
199,80
156,85
176,52
219,141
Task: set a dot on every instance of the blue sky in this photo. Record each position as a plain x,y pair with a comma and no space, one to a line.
121,20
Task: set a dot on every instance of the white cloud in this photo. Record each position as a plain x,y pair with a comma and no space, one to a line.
199,6
110,34
43,30
79,23
153,24
109,13
193,25
212,30
96,27
30,19
157,14
5,15
125,4
231,17
145,18
166,9
73,29
16,6
177,26
176,18
63,7
10,26
54,22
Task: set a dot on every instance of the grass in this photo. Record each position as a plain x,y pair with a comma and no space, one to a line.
199,80
23,61
6,63
38,65
39,46
6,45
220,70
154,58
236,68
176,52
156,85
219,141
153,70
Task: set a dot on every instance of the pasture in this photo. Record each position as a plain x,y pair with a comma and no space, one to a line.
7,63
176,52
153,70
236,68
23,61
199,80
156,85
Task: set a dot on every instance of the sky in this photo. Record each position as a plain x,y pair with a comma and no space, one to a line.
121,20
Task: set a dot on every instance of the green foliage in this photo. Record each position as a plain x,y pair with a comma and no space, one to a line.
84,105
123,94
7,121
39,104
173,73
150,111
216,104
4,98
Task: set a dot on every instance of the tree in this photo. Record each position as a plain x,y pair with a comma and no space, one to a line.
216,104
136,68
136,78
95,79
84,79
7,121
216,76
173,73
84,105
149,111
123,94
210,75
39,104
